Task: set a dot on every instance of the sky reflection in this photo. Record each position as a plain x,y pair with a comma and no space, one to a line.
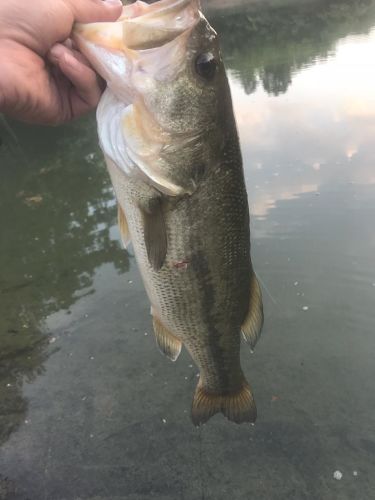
318,133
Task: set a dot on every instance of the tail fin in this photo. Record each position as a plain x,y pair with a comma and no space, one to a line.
238,406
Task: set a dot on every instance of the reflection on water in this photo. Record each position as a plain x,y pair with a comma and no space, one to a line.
56,215
302,36
319,133
303,81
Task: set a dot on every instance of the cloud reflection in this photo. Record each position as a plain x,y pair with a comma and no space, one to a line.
268,44
319,133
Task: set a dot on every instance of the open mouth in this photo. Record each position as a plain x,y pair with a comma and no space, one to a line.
137,54
141,26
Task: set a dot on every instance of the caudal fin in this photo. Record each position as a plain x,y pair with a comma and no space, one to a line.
238,406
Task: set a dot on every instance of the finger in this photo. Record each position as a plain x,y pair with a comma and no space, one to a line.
58,51
91,11
68,43
86,89
82,58
83,79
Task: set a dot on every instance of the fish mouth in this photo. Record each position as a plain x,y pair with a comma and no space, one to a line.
145,48
147,41
141,26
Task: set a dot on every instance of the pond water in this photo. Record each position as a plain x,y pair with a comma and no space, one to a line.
89,409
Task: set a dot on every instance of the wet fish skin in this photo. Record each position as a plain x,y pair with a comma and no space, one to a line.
184,207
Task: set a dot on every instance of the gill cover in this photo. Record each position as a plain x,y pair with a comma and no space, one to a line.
147,43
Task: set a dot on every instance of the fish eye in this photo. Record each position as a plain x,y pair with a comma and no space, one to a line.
206,65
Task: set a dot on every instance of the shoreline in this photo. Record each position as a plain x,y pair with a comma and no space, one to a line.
212,5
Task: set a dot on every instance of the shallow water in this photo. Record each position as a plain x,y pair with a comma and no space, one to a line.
88,407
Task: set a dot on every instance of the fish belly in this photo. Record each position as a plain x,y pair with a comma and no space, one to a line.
200,295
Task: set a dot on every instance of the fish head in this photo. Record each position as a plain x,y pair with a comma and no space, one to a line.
182,85
164,60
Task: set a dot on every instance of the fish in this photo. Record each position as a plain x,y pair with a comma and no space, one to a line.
168,133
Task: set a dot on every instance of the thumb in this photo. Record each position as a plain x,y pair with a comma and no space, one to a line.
91,11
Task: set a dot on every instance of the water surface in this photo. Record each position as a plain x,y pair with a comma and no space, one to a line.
88,407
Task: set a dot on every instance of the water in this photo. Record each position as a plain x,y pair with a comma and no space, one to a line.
88,407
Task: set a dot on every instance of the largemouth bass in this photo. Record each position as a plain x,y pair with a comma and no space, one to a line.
169,137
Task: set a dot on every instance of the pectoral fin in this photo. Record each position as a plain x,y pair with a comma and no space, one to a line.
155,233
167,342
253,323
123,226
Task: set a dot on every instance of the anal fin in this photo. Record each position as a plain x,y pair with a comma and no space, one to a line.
238,407
166,341
252,326
123,226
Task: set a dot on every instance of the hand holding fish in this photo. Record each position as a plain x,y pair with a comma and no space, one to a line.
43,78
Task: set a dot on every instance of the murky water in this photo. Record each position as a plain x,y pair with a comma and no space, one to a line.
88,407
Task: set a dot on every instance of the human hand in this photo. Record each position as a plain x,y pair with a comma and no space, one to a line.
43,79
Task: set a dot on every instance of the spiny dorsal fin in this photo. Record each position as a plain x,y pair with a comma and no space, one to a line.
123,226
167,342
155,234
238,406
253,323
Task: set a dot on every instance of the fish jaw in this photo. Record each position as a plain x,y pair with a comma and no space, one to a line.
102,45
145,48
115,48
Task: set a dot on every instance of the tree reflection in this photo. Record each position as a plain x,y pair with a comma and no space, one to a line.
268,44
249,82
56,212
275,78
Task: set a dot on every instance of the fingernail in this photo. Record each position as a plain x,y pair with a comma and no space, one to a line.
57,51
71,61
113,2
